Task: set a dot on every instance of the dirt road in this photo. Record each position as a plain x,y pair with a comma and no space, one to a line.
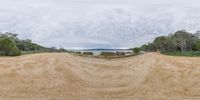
57,76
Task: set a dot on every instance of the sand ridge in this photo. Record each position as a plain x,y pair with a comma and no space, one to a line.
62,76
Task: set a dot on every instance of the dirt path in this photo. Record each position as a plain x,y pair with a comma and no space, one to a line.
59,76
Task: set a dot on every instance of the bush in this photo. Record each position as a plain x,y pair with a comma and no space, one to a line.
88,53
107,54
186,53
8,47
77,52
120,53
14,52
136,51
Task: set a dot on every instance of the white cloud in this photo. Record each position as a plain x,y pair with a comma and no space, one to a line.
97,23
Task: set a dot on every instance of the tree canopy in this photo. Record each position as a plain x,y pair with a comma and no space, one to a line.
179,41
8,47
11,45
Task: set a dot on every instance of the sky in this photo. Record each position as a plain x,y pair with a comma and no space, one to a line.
84,24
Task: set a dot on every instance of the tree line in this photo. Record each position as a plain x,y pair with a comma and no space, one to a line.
11,45
181,40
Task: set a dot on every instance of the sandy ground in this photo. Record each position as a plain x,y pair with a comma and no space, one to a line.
57,76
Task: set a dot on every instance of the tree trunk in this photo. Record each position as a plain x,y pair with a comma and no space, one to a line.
182,49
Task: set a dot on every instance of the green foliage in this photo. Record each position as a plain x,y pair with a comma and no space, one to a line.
150,47
88,53
28,46
187,53
23,45
120,53
161,43
136,50
78,52
8,47
198,44
179,41
14,52
184,40
144,47
11,45
107,54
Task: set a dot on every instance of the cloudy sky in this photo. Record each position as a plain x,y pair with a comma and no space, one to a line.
76,24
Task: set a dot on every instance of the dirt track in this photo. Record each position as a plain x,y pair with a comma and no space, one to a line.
66,77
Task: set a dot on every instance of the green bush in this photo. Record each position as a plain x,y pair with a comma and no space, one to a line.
14,52
136,51
88,53
186,53
106,54
78,52
120,53
8,47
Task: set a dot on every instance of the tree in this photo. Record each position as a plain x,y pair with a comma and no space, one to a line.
184,40
178,41
161,43
197,34
136,50
198,44
144,47
8,47
151,47
9,35
170,46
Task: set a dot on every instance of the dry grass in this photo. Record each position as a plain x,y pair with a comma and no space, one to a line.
58,76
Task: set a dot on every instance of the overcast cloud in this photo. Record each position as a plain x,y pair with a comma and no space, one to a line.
97,23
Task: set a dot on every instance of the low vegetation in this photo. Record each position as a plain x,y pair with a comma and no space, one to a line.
107,54
115,54
187,53
120,54
88,53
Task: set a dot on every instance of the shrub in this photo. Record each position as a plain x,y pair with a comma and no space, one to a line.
120,53
8,47
88,53
14,52
107,54
136,51
78,52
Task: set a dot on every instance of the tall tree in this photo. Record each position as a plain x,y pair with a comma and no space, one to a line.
183,39
161,43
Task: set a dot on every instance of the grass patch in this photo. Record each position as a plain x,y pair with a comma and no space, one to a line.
33,52
186,53
29,52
